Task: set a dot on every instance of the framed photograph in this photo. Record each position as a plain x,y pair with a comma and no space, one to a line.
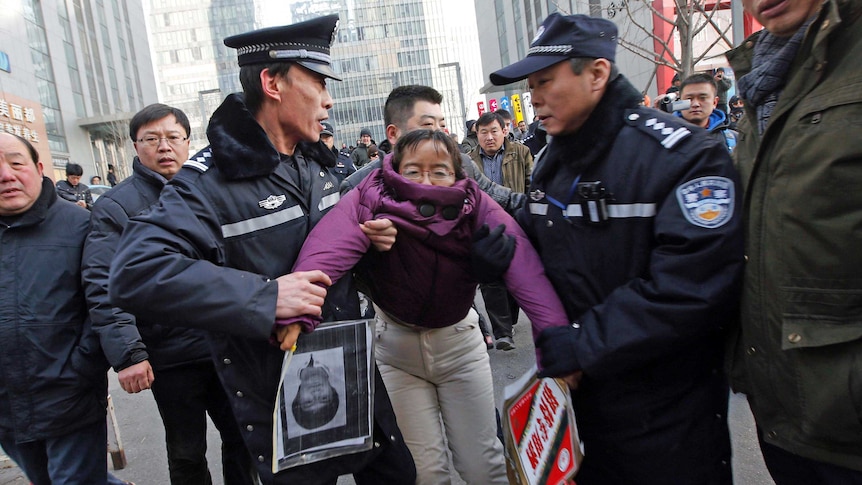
542,445
325,398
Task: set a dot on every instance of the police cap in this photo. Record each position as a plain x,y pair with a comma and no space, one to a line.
559,38
305,43
327,129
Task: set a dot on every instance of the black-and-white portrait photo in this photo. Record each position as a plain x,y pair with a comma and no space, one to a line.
326,397
316,392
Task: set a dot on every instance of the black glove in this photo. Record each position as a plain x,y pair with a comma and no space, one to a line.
491,254
557,345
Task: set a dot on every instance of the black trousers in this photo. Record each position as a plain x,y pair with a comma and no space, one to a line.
789,469
501,307
184,396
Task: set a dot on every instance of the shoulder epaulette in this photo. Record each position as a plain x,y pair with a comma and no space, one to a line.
665,128
201,161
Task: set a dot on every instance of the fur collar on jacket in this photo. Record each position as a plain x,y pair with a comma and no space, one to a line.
241,148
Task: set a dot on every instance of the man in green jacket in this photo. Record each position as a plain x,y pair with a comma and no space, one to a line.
798,355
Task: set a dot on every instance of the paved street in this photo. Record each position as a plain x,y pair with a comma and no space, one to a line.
143,435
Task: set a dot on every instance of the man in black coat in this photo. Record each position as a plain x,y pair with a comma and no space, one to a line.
635,215
225,234
174,361
53,383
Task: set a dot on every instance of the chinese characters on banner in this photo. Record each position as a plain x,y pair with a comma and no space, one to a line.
18,119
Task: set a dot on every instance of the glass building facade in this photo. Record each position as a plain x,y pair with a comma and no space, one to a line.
194,69
382,44
79,64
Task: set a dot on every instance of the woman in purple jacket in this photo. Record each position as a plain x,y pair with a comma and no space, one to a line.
428,348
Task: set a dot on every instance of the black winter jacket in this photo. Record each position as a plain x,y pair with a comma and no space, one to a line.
651,287
120,334
52,372
226,225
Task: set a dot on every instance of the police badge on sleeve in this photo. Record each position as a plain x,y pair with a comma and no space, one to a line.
707,201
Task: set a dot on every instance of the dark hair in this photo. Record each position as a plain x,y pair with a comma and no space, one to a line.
699,78
373,150
155,112
411,140
399,105
579,63
30,148
110,167
249,77
95,177
489,118
74,169
504,114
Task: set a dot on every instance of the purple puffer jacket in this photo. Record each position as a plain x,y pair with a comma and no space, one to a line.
424,279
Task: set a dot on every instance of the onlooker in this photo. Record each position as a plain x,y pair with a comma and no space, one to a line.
174,361
508,164
112,177
359,155
507,124
636,218
95,180
411,107
53,377
799,350
700,90
373,153
521,132
233,220
343,164
471,139
72,189
722,85
736,111
674,84
429,351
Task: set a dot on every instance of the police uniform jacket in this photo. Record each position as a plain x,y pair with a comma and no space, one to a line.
125,340
52,372
798,355
343,166
232,220
649,288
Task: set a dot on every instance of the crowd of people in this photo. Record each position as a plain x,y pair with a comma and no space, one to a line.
663,260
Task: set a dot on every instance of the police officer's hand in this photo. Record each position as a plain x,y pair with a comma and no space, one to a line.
558,351
137,377
381,232
491,253
287,335
301,293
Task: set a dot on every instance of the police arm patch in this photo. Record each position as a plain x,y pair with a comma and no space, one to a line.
707,201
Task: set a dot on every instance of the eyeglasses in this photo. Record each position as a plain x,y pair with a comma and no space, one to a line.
436,175
154,141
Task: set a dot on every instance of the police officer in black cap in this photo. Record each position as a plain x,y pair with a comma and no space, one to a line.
636,217
225,234
343,164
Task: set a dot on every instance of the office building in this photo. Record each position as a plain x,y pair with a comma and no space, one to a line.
382,44
195,71
71,75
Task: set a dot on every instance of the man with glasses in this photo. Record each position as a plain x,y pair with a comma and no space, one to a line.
172,361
